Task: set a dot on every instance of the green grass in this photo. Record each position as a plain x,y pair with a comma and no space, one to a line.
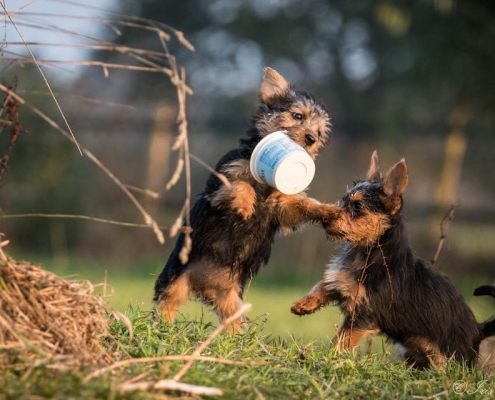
301,362
296,369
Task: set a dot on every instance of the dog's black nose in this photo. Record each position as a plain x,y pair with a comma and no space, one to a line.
309,139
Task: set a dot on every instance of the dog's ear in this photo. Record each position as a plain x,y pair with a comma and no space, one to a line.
394,184
274,86
374,173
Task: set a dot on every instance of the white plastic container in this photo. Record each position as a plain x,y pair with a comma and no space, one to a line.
280,162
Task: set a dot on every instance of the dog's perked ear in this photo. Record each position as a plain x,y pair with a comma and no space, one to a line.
274,86
394,184
374,173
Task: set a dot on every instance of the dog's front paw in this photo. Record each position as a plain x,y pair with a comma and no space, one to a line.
242,207
329,212
304,306
243,198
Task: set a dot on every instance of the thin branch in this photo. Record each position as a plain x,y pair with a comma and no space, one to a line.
146,360
44,77
74,216
82,98
444,227
168,384
9,14
147,192
148,220
179,35
220,176
3,244
100,64
224,325
101,47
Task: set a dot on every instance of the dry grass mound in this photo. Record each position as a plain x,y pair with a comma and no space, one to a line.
45,316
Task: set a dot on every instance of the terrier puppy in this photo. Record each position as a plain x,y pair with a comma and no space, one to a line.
381,286
233,226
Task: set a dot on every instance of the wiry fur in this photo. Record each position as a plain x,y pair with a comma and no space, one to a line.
233,226
382,286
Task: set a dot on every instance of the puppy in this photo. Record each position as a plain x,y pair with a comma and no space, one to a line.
233,226
381,286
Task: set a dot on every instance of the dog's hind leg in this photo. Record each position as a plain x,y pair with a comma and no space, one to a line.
227,303
174,296
317,298
351,332
219,287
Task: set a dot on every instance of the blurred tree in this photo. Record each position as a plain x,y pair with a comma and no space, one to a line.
385,68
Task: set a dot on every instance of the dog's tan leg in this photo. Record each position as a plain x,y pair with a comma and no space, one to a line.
174,296
243,198
219,287
297,209
348,338
227,303
240,196
317,298
422,353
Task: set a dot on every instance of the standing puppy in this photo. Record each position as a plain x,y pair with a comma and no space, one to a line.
233,226
381,286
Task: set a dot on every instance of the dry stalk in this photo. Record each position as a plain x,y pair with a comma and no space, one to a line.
74,216
48,317
7,15
174,230
42,74
147,192
224,325
444,227
145,360
168,384
177,173
150,61
82,98
147,218
179,35
174,384
220,176
11,120
3,244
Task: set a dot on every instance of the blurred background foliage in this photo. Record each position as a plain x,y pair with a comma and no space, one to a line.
411,79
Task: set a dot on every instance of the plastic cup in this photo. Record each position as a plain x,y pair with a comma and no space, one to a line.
281,163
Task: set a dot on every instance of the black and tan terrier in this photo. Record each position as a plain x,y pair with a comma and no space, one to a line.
233,226
381,286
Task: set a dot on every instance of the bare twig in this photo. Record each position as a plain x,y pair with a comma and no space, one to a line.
147,192
444,227
100,64
82,98
145,360
73,216
10,13
168,384
147,218
44,77
177,173
179,35
220,176
224,325
3,244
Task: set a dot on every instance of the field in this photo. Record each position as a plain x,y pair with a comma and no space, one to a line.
280,356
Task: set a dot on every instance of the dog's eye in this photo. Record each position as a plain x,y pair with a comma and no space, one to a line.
358,206
297,116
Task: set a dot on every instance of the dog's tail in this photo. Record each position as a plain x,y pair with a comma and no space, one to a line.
487,328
